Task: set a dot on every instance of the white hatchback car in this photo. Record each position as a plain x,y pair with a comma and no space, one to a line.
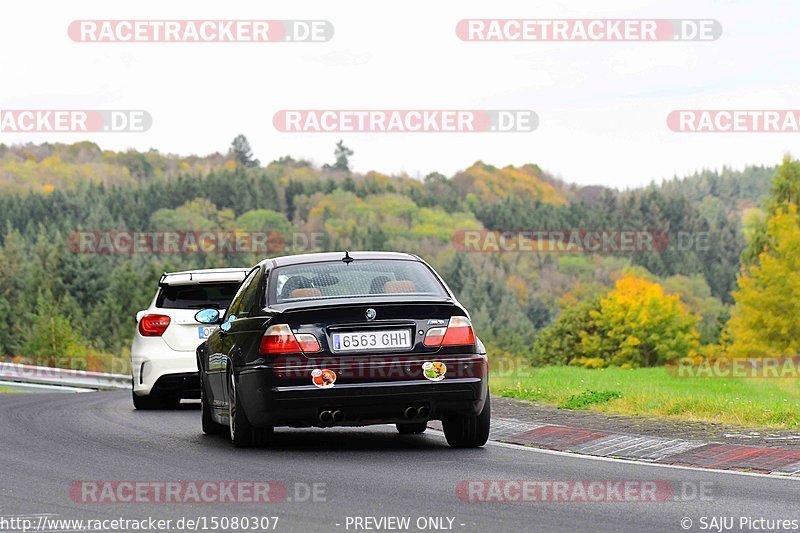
163,360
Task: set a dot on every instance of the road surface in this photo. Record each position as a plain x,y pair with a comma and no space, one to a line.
54,442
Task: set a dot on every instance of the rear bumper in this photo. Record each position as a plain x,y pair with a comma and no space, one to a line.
272,400
157,368
184,385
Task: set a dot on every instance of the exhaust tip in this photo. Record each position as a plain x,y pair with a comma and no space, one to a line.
424,411
410,412
325,417
337,416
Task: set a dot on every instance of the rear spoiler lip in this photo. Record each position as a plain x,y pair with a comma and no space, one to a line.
163,283
310,305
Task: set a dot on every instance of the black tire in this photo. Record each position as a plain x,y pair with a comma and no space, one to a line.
469,431
412,428
210,426
243,434
154,401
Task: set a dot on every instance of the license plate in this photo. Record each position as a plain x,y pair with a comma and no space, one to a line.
204,332
372,340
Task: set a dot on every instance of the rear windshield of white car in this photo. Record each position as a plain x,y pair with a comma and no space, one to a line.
196,296
361,278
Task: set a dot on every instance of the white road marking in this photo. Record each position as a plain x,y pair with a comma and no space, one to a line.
627,461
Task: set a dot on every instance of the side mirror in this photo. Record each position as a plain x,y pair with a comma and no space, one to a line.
207,316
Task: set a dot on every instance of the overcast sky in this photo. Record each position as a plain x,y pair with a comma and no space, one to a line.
602,106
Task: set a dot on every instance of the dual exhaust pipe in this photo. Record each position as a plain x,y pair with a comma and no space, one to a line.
331,417
337,416
417,412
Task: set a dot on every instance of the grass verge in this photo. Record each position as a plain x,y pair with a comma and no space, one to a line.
655,392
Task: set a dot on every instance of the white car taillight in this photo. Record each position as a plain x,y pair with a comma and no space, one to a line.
153,325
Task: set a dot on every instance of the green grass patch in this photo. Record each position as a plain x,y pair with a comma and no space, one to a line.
589,397
655,392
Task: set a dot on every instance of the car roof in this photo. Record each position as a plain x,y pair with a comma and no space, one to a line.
301,259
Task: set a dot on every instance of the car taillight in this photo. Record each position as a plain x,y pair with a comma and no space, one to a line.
153,325
457,333
280,339
434,337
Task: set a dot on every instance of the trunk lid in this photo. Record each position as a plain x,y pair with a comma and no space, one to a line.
404,325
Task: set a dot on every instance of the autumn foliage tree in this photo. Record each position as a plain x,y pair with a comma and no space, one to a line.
639,324
636,324
784,191
765,317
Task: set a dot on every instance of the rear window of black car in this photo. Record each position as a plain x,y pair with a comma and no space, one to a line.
199,296
361,278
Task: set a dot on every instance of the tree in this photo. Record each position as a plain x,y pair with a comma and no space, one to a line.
560,343
242,153
786,183
696,296
635,324
51,339
137,164
12,285
196,215
264,220
111,321
638,324
785,190
274,225
764,319
343,155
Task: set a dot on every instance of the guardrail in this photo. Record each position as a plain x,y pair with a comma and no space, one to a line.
62,377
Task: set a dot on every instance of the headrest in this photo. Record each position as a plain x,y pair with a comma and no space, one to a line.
399,286
305,293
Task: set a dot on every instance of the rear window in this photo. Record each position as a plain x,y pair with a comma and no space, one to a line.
361,278
217,295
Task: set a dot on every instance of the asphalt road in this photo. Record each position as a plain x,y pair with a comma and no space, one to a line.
50,441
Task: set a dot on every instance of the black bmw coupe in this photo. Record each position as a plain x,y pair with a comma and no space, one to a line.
340,339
